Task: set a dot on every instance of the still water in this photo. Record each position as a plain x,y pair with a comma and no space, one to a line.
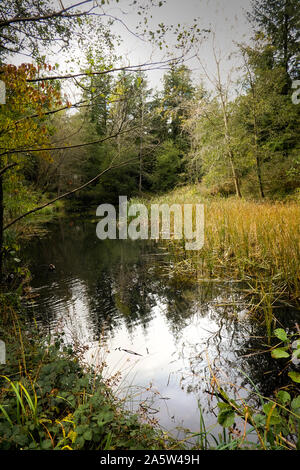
162,336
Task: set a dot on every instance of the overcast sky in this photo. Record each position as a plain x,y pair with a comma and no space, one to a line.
225,18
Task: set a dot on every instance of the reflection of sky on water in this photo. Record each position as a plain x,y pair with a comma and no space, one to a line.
115,296
175,365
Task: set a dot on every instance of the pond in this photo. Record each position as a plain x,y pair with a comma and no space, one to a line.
158,336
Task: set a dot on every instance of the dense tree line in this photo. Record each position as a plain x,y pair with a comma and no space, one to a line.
231,137
45,151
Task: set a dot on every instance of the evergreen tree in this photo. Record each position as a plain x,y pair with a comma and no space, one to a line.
178,91
279,20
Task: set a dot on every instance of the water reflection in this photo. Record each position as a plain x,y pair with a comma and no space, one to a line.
114,295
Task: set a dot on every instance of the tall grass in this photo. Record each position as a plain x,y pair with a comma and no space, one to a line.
26,405
246,240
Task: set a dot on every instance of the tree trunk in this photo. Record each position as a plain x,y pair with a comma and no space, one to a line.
224,103
1,229
260,183
3,170
237,186
286,33
141,159
141,143
235,175
140,174
255,130
257,157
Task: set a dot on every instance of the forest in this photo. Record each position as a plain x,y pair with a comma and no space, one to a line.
81,125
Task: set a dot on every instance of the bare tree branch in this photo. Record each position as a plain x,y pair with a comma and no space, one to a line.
130,68
46,204
4,170
53,14
67,147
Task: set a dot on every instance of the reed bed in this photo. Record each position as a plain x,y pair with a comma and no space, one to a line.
252,241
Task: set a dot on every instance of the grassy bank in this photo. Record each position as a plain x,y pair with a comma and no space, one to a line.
257,242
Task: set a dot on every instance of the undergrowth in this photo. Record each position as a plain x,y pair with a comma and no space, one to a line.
49,401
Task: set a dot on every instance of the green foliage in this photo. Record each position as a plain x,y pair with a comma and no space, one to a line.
226,416
279,20
167,167
51,23
291,349
281,334
277,422
279,353
57,405
295,376
178,91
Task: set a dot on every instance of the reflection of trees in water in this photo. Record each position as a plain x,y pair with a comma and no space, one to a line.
124,280
238,353
103,312
217,352
121,297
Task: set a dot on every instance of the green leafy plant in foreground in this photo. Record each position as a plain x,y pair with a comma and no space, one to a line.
277,422
290,349
55,404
